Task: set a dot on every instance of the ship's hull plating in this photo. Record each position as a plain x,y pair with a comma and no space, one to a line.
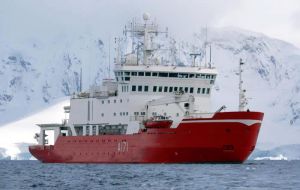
227,137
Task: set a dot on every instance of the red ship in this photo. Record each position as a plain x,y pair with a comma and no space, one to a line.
151,113
226,137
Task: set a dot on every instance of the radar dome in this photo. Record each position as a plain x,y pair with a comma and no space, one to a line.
146,16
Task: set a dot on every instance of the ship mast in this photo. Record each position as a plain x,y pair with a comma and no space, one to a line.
242,97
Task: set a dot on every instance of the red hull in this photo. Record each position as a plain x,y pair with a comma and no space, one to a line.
219,139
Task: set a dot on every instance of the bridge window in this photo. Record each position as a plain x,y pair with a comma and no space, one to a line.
186,89
154,88
160,89
141,73
108,101
180,89
147,74
154,74
102,101
163,74
174,75
175,89
191,75
133,88
198,90
191,90
143,113
115,101
133,73
182,75
203,90
208,90
140,88
170,89
115,114
166,89
207,76
127,78
127,73
146,88
198,75
136,113
102,114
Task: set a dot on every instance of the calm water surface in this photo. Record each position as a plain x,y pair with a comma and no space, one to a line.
250,175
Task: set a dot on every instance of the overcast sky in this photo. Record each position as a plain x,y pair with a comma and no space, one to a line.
34,19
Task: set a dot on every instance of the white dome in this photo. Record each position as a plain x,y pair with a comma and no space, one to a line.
146,16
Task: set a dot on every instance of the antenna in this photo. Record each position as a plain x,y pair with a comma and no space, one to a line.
242,98
80,81
209,56
109,58
205,43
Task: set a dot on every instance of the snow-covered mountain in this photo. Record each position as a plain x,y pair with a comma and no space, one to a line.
34,74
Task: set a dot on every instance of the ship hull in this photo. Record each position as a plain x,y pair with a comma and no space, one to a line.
227,137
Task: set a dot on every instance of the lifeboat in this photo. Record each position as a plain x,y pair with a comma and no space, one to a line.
158,122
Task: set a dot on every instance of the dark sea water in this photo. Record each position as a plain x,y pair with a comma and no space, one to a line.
250,175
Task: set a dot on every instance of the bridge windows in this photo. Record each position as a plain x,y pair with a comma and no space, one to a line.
125,76
168,89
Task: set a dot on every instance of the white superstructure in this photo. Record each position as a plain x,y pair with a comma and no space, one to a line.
143,87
